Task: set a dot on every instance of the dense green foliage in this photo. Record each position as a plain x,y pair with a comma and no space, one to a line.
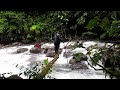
110,58
35,26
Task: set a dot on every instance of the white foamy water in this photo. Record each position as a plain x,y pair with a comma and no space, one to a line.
60,70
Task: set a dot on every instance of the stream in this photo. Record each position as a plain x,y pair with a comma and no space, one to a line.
14,63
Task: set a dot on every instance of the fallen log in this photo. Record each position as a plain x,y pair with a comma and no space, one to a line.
46,69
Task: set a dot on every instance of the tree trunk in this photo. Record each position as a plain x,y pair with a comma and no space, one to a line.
47,68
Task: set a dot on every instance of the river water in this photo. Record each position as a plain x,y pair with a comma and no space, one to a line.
14,63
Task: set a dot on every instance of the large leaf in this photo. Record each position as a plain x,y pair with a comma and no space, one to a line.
92,23
81,20
103,36
105,23
46,61
114,28
3,20
33,27
77,13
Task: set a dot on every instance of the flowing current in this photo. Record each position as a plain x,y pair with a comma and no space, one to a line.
11,62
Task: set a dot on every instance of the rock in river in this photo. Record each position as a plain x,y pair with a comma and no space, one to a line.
35,50
78,65
21,50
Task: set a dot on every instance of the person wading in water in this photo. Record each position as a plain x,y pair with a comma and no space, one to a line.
57,39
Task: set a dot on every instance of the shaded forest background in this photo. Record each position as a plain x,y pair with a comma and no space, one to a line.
41,25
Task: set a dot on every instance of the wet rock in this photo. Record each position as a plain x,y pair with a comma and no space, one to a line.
78,65
72,61
21,50
46,50
78,57
1,46
14,77
6,46
35,50
50,54
15,43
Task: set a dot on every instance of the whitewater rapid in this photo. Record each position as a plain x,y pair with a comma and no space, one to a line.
10,62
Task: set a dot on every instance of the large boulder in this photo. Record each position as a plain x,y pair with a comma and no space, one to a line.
78,65
35,50
21,50
78,61
51,52
78,57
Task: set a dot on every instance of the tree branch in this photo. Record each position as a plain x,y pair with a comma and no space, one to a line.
93,66
108,71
